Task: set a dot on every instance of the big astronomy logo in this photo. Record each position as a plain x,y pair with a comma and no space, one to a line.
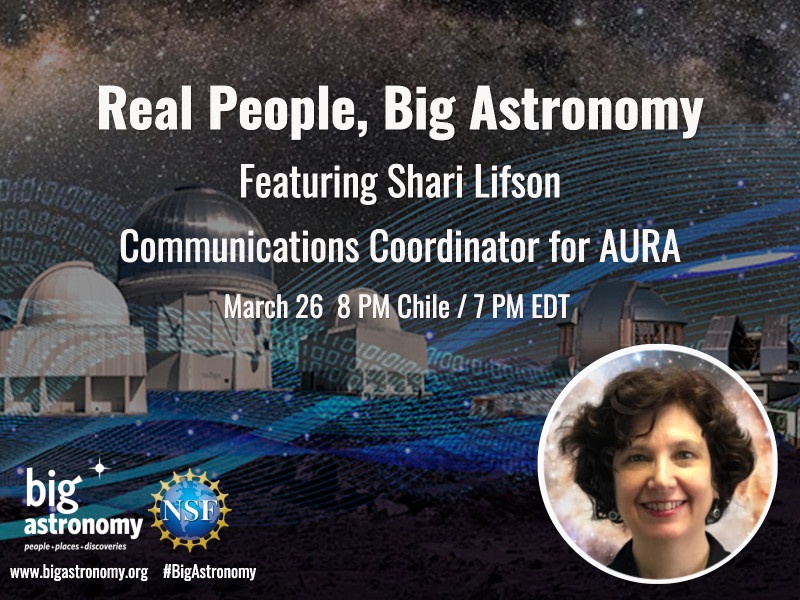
57,496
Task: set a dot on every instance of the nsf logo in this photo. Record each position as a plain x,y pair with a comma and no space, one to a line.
189,510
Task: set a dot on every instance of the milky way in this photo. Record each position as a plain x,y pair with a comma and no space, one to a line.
740,57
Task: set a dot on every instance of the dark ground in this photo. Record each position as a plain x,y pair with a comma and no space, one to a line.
482,538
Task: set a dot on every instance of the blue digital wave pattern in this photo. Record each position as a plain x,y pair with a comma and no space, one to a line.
297,455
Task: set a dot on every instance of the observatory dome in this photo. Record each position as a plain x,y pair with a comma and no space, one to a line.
72,293
617,314
195,212
607,301
647,305
389,323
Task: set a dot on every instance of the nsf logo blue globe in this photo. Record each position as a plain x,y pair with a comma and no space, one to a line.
189,510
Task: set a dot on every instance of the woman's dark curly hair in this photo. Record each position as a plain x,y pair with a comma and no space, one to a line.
597,432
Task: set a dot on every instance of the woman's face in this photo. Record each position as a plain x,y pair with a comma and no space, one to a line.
663,480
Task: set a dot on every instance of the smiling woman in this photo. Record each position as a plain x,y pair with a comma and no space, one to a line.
661,456
665,493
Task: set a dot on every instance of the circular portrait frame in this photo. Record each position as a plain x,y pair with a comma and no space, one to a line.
571,509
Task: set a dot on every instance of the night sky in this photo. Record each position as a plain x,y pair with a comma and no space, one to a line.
742,57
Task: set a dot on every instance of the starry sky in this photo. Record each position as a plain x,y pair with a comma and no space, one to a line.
741,56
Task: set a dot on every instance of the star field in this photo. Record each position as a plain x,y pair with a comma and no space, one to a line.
53,55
